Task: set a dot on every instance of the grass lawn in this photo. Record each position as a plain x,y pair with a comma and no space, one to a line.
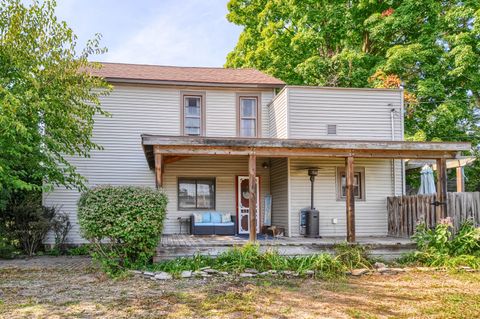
85,293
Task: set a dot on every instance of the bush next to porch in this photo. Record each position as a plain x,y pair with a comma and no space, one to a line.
442,247
123,223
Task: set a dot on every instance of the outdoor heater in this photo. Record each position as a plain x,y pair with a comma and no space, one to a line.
309,217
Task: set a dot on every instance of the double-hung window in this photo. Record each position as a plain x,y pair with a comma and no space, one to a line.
248,116
193,114
196,193
358,184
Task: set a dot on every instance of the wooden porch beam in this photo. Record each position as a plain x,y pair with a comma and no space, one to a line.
169,150
252,200
350,198
258,143
441,209
173,159
460,179
159,168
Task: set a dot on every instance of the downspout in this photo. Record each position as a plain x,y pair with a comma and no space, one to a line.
394,171
402,121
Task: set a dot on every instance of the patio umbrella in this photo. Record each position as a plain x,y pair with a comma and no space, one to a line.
427,182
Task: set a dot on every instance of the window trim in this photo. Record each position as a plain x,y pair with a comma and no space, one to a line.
338,178
196,179
202,95
258,125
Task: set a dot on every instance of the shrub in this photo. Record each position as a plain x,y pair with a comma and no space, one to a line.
26,222
82,250
61,226
123,223
7,250
439,247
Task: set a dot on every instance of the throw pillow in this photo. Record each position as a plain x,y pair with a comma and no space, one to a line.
226,218
198,218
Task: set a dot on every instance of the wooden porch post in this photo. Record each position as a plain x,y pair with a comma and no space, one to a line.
350,198
159,167
460,179
252,200
441,211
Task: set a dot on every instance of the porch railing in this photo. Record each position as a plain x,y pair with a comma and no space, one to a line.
405,212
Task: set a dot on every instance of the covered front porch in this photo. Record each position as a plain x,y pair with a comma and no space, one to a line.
162,151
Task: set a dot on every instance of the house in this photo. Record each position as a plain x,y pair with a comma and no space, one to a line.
203,134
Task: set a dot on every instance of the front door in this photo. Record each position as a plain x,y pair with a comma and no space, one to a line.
243,209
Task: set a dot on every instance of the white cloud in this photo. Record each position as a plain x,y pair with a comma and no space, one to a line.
195,33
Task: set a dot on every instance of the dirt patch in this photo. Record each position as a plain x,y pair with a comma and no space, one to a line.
59,291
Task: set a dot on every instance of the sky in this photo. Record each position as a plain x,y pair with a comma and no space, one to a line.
165,32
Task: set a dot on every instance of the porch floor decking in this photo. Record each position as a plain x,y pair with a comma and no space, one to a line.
183,245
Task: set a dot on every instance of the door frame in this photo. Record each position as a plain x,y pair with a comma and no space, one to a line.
259,200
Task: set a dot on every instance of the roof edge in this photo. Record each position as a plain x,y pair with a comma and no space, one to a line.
191,83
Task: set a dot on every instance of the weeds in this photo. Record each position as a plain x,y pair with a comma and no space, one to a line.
439,247
238,259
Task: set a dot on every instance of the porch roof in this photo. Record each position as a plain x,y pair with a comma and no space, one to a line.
276,147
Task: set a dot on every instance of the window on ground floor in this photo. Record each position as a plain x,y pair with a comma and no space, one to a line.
196,193
358,184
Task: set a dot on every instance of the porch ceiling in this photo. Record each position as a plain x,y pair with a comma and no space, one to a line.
275,147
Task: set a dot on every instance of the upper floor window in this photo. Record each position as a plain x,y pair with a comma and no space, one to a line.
248,116
193,114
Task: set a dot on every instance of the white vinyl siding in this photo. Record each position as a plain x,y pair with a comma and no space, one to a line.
221,110
221,114
267,97
370,214
225,170
137,110
279,190
294,113
278,116
358,113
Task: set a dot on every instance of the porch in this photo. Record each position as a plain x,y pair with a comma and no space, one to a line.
183,245
344,203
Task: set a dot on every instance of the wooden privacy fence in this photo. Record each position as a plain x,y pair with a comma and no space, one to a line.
405,212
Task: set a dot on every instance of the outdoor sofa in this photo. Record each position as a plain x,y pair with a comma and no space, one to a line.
212,223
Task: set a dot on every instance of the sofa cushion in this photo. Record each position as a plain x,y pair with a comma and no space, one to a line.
225,224
198,217
206,218
214,224
215,218
226,218
204,224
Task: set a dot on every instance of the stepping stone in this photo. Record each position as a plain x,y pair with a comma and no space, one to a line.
250,271
162,276
359,272
379,265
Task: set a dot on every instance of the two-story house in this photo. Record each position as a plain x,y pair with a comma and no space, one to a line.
201,134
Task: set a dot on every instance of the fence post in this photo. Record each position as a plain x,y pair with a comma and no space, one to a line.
441,211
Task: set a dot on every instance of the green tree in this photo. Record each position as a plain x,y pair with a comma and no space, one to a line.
47,98
432,46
